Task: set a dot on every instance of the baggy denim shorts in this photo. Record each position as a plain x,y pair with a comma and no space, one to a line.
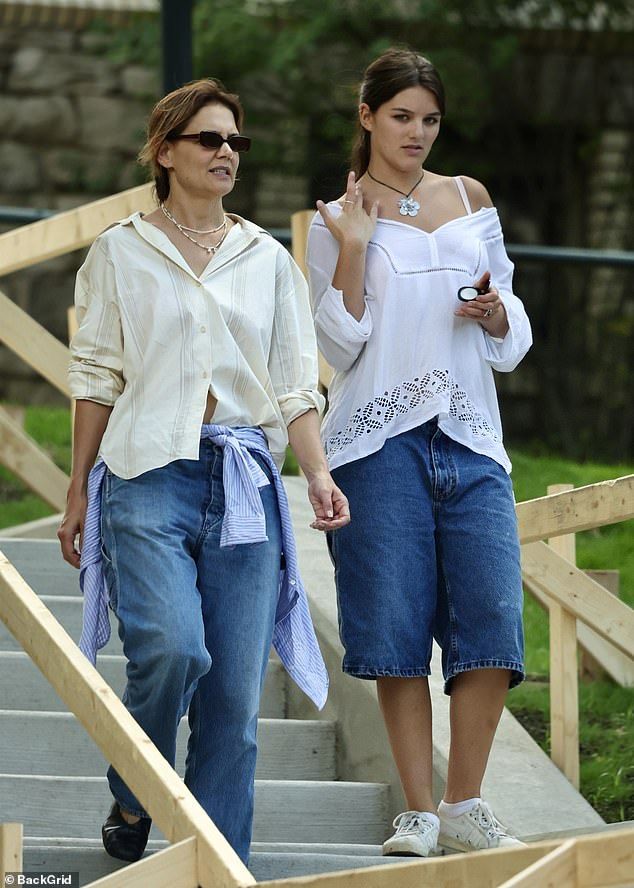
432,551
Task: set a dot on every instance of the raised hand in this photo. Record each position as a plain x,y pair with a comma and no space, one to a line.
356,222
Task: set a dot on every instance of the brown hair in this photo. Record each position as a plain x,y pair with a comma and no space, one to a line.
170,117
395,70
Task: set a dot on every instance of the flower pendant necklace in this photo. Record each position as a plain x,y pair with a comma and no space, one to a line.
408,206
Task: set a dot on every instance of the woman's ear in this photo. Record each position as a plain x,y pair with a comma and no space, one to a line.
365,116
164,156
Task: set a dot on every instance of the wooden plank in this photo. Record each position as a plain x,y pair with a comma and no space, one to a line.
555,870
35,345
606,858
618,665
174,867
71,230
10,849
591,664
300,224
32,465
592,506
162,793
481,869
587,600
564,687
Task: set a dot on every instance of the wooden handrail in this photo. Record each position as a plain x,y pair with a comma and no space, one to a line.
600,859
606,502
122,741
68,231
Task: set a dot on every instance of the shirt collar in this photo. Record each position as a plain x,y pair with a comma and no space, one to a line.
240,241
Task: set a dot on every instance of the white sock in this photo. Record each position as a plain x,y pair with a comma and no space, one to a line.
432,817
455,809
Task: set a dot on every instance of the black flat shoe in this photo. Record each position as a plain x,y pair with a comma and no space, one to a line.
124,840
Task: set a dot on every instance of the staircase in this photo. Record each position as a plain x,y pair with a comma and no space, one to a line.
52,775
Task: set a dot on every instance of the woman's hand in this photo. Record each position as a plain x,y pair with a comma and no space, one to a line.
328,502
488,309
354,225
72,525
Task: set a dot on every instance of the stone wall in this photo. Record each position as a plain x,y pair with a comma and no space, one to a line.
71,123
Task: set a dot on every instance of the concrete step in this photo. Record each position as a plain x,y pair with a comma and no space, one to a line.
93,863
59,746
41,564
67,609
22,685
285,810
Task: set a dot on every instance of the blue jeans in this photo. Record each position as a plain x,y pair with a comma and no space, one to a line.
196,622
432,551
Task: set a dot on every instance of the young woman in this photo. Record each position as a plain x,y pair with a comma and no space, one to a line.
194,365
413,438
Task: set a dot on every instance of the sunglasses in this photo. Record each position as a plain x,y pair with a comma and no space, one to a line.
210,139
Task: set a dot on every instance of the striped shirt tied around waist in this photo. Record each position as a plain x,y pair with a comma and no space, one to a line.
244,522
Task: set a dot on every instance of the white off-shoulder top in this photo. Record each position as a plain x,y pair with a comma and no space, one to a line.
409,358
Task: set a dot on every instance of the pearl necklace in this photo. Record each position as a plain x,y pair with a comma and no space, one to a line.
184,229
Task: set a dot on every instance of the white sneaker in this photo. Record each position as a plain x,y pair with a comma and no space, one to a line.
475,830
416,835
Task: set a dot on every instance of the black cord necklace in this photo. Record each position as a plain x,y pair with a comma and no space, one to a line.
408,206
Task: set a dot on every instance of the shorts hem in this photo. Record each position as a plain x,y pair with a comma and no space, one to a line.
371,672
514,666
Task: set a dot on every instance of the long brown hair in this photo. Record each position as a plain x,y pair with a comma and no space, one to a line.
170,117
395,70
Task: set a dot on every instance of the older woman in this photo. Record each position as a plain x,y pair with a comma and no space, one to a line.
193,367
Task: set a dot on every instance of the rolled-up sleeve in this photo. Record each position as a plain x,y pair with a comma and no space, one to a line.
505,354
340,336
293,365
95,372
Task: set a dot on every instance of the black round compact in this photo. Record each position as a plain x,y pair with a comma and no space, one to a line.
468,294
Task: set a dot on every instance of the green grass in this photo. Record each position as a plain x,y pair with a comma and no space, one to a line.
606,727
606,711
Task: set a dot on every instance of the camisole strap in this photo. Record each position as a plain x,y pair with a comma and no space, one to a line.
463,194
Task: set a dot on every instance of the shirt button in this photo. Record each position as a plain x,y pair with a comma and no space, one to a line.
203,329
204,374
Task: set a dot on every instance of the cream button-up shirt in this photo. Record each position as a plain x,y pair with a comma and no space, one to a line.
154,338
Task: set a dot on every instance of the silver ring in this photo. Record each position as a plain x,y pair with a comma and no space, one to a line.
488,313
349,201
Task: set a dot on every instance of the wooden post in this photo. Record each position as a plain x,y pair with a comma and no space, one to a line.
300,224
10,848
564,689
